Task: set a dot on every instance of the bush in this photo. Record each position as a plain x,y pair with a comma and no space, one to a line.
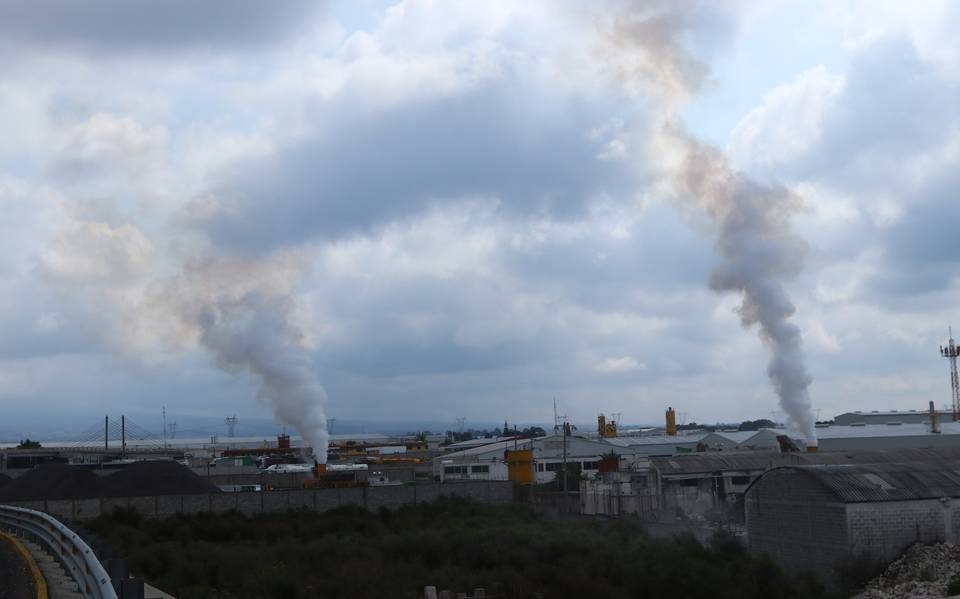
954,587
452,543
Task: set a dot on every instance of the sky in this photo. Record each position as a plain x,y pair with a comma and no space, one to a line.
427,210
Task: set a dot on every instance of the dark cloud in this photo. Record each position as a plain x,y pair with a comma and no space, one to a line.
921,248
367,167
117,26
894,105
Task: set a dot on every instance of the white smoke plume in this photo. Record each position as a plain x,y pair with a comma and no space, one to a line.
244,314
751,222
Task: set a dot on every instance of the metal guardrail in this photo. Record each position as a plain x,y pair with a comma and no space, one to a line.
66,546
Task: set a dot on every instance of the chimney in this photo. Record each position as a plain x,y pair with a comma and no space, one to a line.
671,422
934,420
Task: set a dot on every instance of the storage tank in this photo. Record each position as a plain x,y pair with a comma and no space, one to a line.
671,422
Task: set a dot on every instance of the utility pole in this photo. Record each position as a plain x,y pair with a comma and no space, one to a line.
566,432
164,427
106,433
951,351
123,436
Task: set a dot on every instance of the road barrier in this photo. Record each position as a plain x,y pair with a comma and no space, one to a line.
64,545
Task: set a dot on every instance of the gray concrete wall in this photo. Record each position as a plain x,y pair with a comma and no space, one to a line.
792,518
490,492
883,530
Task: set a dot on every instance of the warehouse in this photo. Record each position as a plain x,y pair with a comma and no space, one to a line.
823,517
708,485
884,417
486,462
694,441
887,436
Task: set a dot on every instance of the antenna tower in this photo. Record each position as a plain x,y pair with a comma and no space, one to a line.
172,430
231,424
460,422
951,351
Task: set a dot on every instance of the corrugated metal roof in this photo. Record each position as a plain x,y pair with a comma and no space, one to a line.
856,483
885,430
657,440
714,462
945,457
930,455
497,447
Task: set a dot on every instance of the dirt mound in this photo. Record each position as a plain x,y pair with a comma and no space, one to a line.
53,481
156,477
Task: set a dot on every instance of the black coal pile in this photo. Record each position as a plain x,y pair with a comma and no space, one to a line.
156,477
53,481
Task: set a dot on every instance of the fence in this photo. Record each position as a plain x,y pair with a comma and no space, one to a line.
254,502
64,545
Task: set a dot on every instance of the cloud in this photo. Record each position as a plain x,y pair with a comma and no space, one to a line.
91,252
103,144
362,169
622,364
788,122
453,211
116,26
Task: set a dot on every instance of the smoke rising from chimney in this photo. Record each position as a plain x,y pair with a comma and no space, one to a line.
750,221
243,313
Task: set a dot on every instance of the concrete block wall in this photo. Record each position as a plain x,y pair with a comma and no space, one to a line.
792,518
491,492
883,530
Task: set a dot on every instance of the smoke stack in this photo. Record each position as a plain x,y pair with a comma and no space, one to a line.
934,420
671,422
283,441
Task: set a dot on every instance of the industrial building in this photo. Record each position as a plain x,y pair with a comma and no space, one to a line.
698,441
886,417
887,436
818,518
488,462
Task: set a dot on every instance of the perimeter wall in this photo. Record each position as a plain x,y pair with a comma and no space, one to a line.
255,502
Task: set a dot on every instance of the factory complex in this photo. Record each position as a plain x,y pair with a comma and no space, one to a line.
871,487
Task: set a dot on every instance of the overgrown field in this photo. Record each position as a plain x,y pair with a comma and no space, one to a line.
454,545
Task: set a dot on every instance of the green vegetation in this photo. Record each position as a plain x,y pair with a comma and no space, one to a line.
453,544
28,444
954,587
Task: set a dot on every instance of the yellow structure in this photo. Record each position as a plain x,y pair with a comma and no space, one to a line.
606,429
519,465
671,422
